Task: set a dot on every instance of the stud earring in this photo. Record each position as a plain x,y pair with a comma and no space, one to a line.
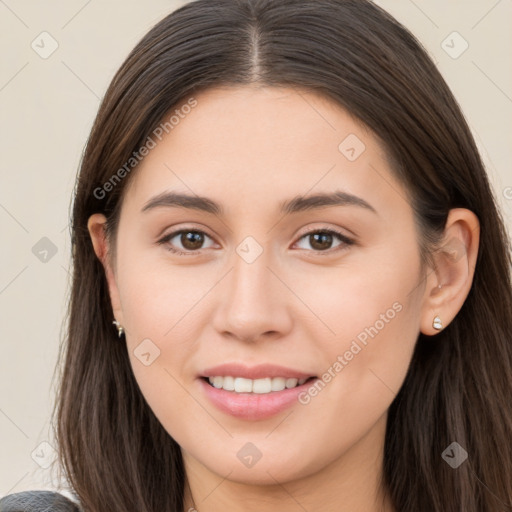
436,324
119,328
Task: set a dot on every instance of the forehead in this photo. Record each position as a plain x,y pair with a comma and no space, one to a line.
256,142
271,118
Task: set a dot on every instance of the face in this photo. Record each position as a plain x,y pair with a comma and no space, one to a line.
269,332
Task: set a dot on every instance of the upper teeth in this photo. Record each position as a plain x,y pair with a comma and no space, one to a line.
266,385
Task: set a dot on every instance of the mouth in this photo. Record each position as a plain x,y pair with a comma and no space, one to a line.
253,393
261,386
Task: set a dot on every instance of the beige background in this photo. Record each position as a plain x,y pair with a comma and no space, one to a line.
48,106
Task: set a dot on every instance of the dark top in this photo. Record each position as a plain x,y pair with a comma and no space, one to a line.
37,501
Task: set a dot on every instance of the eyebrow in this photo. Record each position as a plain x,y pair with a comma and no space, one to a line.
294,205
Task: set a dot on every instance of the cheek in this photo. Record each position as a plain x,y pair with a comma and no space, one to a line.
161,307
371,294
369,325
159,298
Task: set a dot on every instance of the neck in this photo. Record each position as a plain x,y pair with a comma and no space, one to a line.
351,483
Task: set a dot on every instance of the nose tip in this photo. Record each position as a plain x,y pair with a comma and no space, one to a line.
252,301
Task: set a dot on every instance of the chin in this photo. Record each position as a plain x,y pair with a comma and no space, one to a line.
243,466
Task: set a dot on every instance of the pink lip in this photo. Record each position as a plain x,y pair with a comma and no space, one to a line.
252,406
254,372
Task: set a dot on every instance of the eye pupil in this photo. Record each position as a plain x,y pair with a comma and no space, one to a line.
321,241
192,240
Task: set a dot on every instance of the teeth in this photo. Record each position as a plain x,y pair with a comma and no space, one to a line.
218,382
291,383
259,386
278,384
262,385
228,383
242,385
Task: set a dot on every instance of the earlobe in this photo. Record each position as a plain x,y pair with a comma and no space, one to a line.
97,231
449,282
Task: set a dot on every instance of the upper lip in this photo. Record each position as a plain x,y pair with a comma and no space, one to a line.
254,372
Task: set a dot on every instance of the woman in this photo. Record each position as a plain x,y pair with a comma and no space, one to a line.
282,211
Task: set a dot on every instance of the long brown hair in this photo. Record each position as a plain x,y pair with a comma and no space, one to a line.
114,451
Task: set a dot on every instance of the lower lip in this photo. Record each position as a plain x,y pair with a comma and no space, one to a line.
253,406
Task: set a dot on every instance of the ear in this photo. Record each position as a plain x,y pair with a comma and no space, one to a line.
97,231
449,282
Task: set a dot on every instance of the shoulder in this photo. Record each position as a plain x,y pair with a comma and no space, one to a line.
37,501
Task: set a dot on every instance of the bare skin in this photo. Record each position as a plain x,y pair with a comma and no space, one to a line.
301,303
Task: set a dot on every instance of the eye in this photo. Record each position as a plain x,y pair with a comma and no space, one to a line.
322,239
190,239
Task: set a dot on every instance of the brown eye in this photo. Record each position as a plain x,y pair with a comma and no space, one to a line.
322,240
190,241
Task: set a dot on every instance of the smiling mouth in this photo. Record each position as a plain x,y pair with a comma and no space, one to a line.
257,386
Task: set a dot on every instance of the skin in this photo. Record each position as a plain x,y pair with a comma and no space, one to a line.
250,148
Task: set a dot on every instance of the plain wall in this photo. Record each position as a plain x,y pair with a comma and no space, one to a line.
48,106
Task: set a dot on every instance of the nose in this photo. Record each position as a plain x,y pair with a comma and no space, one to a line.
254,303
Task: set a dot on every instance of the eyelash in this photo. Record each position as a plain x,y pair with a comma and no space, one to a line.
346,241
